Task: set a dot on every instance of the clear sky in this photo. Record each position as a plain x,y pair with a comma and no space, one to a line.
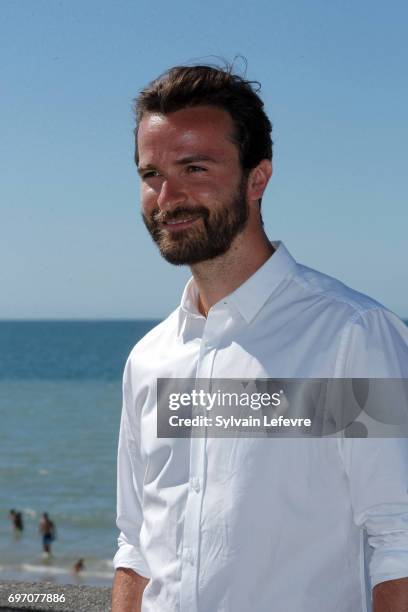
334,82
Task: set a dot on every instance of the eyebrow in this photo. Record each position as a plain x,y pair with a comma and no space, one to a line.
190,159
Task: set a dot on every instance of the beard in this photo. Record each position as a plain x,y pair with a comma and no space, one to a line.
210,237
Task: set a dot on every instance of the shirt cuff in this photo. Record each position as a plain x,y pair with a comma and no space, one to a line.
388,537
130,557
389,564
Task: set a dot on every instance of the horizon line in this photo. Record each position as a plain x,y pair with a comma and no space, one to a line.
79,320
100,320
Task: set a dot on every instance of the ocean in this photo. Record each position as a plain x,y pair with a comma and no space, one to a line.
60,402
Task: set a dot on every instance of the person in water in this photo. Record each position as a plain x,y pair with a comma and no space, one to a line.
16,520
47,529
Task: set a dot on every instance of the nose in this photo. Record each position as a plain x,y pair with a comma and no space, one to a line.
171,195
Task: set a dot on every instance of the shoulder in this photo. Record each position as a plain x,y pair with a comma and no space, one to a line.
158,339
333,292
141,368
372,340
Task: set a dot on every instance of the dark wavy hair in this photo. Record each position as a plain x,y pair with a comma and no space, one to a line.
187,86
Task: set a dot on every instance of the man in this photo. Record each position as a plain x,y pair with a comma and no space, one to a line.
239,524
47,529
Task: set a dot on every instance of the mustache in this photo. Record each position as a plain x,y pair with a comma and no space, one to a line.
178,213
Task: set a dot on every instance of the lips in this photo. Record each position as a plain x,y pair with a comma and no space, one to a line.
175,221
181,222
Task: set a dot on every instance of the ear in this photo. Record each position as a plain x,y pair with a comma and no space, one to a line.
258,179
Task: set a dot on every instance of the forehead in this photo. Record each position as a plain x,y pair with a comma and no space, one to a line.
202,129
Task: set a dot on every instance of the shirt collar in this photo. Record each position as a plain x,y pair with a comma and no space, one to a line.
251,296
189,299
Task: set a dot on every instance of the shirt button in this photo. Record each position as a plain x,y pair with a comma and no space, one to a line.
195,484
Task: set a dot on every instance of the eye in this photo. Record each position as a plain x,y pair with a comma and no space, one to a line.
194,169
149,174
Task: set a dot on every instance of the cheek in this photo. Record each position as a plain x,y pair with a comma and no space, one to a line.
217,189
205,191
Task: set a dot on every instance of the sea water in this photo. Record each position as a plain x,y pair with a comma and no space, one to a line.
60,401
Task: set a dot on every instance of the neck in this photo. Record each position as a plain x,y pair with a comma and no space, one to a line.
218,277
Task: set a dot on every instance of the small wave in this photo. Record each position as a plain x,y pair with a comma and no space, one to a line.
55,570
43,569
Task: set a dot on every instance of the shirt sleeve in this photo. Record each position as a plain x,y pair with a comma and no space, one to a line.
130,472
378,468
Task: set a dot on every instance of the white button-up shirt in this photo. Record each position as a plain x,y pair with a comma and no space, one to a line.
248,524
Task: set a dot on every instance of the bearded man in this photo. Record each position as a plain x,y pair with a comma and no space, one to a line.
239,524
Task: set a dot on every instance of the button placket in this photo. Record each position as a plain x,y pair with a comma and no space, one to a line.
191,535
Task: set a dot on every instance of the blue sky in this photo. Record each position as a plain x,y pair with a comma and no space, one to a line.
333,77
